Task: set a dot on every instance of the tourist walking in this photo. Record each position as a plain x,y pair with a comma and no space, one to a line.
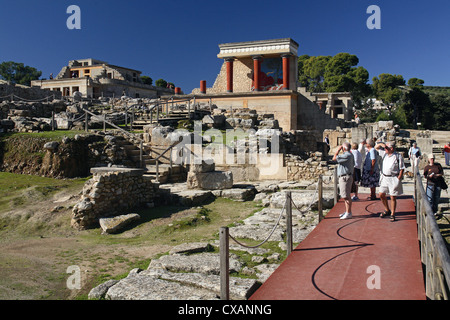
357,170
414,156
346,165
392,169
433,172
447,154
371,170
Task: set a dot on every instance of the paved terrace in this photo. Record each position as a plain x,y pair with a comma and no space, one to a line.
349,259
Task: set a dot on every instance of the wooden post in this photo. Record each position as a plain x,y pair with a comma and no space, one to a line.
289,222
53,120
224,263
335,181
157,112
157,170
104,122
126,120
320,196
141,153
189,109
86,121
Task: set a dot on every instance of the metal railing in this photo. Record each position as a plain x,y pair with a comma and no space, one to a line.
433,250
224,236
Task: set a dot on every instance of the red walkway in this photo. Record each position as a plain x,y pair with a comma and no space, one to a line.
339,258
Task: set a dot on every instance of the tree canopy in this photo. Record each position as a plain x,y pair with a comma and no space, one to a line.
146,80
408,103
18,73
334,74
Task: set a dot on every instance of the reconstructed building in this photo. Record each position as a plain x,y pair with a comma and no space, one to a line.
95,78
262,75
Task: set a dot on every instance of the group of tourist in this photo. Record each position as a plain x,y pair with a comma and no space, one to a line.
373,165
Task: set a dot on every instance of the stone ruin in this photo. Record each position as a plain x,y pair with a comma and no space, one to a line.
109,193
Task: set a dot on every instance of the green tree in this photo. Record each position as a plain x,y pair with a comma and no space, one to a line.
161,83
147,80
342,75
302,78
386,87
334,74
18,73
417,107
440,112
314,71
415,82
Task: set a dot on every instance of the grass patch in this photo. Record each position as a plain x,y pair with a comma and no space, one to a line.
56,135
20,189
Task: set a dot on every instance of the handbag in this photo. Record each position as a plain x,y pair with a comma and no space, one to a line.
442,184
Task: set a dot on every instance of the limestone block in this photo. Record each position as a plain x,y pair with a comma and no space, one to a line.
160,136
205,166
215,180
114,224
239,194
51,146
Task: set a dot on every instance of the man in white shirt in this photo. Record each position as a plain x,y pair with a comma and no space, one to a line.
414,155
391,174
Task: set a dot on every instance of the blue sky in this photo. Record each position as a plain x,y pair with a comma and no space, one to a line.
177,40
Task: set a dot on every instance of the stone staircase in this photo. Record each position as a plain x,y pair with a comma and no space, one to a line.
167,173
171,118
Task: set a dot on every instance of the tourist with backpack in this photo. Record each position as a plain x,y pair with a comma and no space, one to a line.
391,174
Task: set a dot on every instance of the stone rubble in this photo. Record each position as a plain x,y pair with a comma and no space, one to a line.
192,270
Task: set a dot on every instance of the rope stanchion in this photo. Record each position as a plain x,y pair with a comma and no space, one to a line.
268,237
224,244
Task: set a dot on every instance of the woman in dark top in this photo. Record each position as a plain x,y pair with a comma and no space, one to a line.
433,172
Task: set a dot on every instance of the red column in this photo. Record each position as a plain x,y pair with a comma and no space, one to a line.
177,90
286,71
256,71
229,62
202,86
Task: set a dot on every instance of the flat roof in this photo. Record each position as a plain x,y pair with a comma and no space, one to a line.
259,47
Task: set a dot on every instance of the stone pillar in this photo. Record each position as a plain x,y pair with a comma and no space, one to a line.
286,66
229,62
256,71
203,86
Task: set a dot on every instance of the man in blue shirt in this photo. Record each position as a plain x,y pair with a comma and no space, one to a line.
345,168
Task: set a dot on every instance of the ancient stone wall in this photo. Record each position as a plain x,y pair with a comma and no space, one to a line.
112,192
24,92
309,169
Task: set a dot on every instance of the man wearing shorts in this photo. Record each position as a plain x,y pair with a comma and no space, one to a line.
346,165
391,174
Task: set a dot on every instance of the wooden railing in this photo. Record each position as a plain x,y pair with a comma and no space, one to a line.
433,250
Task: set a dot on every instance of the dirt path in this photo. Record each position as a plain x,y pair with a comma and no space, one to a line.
34,261
37,244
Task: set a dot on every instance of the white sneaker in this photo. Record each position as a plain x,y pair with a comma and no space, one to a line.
342,214
346,215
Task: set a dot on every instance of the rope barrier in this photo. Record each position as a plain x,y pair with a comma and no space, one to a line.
265,240
28,100
310,204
